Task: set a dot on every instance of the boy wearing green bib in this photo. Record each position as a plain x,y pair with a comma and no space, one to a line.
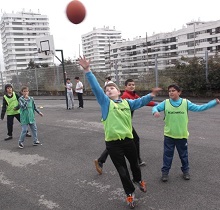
116,118
11,108
176,128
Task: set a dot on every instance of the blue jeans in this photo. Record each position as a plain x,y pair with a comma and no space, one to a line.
182,149
24,129
70,100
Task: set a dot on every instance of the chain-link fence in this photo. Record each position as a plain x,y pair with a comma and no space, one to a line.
50,81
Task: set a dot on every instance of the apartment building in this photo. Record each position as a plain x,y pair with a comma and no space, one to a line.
94,43
18,37
135,58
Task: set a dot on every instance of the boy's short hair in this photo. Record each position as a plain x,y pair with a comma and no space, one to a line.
127,81
24,88
111,84
77,78
67,78
176,87
7,86
108,78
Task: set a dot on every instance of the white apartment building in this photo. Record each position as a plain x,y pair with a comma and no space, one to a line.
94,43
134,58
18,37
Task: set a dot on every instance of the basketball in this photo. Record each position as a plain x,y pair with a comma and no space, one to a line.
75,12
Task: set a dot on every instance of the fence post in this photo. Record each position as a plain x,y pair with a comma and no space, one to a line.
64,73
156,71
36,80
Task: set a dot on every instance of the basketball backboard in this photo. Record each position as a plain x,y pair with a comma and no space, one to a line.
45,46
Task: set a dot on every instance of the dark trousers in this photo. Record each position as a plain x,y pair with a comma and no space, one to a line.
10,122
104,155
169,147
80,98
118,151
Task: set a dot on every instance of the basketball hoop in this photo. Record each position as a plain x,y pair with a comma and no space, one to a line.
45,46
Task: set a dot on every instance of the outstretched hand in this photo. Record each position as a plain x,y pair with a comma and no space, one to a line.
84,63
155,91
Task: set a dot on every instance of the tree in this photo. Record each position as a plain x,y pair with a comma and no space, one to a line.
214,72
189,73
32,65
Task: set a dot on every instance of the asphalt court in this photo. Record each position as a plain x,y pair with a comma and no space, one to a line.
60,173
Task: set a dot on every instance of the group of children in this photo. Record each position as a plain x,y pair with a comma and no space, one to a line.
120,140
23,109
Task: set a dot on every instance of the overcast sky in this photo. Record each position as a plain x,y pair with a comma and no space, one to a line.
132,17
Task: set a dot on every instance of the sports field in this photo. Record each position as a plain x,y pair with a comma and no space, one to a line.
60,173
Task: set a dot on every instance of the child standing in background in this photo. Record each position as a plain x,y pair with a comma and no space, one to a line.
27,115
11,108
70,97
79,92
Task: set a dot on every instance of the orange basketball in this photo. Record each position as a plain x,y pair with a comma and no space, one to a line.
75,12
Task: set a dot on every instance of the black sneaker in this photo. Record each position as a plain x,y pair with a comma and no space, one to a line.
28,134
130,200
20,145
164,177
36,143
8,138
98,166
186,176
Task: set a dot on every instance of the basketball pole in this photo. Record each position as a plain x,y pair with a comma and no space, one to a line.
64,74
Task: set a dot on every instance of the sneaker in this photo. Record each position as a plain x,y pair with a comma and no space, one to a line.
186,176
130,200
8,138
141,185
141,163
28,134
164,177
98,166
36,143
20,145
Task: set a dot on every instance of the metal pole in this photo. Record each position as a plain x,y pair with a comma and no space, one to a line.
206,66
64,73
79,50
147,52
1,77
109,54
36,79
18,82
156,71
194,39
116,72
